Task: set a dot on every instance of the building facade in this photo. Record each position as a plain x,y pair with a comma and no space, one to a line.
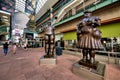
70,12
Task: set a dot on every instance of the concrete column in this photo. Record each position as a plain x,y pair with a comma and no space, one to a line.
51,15
73,11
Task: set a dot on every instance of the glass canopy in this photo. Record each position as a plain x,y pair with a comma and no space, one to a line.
25,6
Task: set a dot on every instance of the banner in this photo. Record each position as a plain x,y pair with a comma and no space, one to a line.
29,7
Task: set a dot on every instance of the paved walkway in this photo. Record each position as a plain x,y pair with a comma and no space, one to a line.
25,66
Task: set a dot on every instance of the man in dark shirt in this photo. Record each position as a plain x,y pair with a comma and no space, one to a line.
5,47
62,43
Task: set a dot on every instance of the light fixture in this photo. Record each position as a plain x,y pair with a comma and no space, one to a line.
7,23
5,17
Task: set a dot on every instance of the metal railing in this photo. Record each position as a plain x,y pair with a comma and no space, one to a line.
91,7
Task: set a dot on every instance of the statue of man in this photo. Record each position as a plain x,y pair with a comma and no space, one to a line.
49,40
88,36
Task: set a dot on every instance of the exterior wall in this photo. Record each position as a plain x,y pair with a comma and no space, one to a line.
70,35
41,35
108,13
111,11
103,14
66,26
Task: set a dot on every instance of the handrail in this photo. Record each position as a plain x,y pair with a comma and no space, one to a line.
63,9
110,52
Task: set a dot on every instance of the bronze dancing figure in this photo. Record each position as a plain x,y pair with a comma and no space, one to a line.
49,40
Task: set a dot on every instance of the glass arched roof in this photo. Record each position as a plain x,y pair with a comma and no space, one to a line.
40,4
26,6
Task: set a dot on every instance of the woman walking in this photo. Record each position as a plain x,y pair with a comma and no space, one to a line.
14,48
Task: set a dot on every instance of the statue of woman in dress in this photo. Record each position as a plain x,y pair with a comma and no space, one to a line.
88,36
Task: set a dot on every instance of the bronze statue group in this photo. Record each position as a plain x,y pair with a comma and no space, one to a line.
88,37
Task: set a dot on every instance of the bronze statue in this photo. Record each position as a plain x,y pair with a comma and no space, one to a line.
88,36
49,40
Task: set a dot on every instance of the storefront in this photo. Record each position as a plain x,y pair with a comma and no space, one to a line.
4,33
111,36
110,30
58,36
69,38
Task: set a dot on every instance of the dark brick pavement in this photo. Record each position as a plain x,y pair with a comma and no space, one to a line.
24,65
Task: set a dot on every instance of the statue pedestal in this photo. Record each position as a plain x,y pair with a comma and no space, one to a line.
88,72
49,60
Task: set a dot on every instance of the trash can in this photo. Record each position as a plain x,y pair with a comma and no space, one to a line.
58,51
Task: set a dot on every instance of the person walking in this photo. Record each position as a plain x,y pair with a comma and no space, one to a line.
14,48
25,45
62,44
5,48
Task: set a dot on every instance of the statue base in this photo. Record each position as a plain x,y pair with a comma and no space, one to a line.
95,71
48,60
89,64
48,56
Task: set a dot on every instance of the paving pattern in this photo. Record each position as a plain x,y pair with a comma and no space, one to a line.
24,65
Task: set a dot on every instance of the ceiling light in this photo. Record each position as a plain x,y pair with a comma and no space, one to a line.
5,16
5,19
